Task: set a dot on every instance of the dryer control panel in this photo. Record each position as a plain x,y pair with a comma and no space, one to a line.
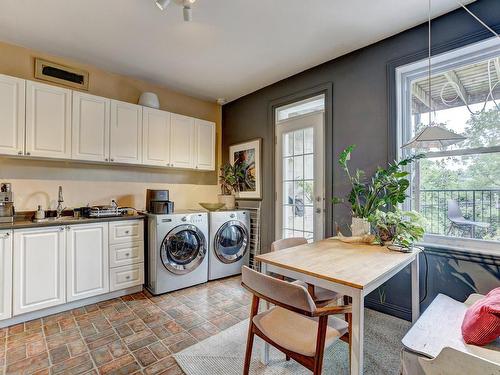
193,218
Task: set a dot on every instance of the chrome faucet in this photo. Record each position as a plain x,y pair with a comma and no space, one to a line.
60,201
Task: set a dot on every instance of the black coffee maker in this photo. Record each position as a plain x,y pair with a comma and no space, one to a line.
157,202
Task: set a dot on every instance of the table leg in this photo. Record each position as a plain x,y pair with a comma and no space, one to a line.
358,318
415,290
264,355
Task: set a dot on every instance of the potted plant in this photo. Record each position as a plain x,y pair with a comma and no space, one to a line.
230,178
398,227
385,189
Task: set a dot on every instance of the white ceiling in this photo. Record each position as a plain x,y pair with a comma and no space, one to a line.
231,48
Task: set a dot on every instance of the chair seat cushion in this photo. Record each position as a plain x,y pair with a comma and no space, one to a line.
481,324
320,294
296,332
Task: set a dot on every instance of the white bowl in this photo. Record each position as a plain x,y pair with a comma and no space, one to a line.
149,99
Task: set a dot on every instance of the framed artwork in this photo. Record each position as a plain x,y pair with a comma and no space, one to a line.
248,155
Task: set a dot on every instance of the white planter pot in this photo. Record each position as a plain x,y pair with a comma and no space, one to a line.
360,227
228,200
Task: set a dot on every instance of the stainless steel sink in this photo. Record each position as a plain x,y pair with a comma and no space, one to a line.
62,218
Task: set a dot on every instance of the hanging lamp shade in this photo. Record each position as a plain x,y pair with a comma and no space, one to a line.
433,137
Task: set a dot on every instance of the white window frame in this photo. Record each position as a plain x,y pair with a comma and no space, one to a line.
404,76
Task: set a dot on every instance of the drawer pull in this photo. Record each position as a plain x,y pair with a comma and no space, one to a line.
127,254
127,232
127,277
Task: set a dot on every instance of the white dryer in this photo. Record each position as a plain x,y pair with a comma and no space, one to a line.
229,243
177,251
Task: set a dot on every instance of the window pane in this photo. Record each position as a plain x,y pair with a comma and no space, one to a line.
298,140
288,193
308,140
288,217
288,144
309,167
309,219
299,193
298,167
471,184
288,168
308,187
288,233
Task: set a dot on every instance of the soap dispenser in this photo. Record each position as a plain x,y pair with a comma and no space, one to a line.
40,213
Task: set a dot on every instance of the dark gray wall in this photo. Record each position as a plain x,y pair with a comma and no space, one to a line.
362,102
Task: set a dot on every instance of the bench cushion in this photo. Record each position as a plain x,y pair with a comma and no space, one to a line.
440,327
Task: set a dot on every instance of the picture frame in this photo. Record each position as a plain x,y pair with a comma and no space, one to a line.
249,153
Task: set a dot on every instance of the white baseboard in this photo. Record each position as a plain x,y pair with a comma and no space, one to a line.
68,306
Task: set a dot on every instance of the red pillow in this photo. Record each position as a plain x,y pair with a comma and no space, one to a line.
481,323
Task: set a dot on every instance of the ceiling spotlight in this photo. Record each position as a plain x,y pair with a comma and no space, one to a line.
188,13
162,4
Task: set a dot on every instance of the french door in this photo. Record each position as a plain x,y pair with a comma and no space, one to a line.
300,177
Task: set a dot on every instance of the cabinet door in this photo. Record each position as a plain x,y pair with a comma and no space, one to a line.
39,269
205,145
87,261
12,110
6,274
90,127
126,133
48,121
182,134
155,137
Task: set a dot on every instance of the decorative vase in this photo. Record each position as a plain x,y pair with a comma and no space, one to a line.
360,227
149,99
228,200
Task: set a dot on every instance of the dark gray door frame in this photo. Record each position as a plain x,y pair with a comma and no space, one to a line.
327,90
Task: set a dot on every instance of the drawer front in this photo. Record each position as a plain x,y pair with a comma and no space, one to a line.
126,254
126,231
126,276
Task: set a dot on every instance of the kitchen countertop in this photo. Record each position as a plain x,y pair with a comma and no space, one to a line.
23,222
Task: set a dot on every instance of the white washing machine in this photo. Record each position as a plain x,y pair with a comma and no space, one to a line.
177,251
229,243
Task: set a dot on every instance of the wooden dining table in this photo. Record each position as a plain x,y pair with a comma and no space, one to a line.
354,270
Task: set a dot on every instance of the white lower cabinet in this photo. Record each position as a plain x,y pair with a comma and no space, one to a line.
6,274
39,269
87,261
126,276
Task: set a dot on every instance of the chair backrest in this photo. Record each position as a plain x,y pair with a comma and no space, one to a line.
282,293
454,211
287,242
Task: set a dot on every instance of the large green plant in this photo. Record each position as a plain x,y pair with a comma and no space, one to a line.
386,188
230,178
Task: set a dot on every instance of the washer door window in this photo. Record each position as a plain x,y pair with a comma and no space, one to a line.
183,249
231,242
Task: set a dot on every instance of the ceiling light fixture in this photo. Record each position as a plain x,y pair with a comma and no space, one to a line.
162,4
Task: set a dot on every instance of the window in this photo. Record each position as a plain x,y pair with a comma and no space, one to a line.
457,188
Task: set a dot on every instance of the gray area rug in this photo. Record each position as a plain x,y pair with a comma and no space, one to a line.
223,353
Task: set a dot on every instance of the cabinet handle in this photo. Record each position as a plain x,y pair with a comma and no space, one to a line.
6,235
127,232
111,159
127,254
19,152
28,153
106,159
127,277
61,229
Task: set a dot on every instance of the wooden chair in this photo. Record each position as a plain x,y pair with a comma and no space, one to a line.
295,325
320,295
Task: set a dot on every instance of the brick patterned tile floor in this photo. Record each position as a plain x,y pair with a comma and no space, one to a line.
135,334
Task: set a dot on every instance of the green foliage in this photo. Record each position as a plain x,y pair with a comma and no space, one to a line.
230,177
386,188
401,227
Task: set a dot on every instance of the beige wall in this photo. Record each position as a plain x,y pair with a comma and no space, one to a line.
35,182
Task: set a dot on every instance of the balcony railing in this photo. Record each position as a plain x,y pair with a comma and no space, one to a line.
476,205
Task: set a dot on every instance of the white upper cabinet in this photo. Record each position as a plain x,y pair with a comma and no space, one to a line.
90,127
155,137
48,121
5,274
126,133
39,269
12,110
182,141
205,145
87,261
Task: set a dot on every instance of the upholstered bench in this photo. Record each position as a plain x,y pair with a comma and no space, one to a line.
434,345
